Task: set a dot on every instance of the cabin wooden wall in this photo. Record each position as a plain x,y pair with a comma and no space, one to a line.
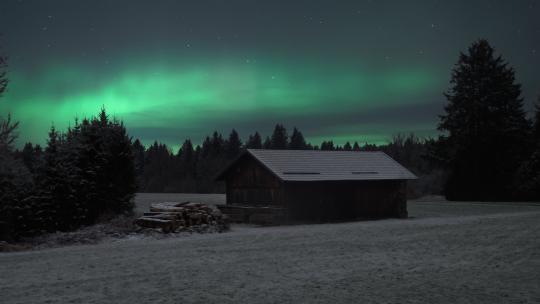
343,200
250,183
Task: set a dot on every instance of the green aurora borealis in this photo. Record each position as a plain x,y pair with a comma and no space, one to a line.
202,97
337,70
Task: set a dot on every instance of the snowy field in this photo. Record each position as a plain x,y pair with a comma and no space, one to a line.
445,253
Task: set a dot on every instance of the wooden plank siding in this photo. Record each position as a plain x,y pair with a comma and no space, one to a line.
251,184
342,200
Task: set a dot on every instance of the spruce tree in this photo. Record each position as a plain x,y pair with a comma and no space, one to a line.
254,141
267,143
327,145
138,154
528,183
187,152
297,141
356,146
3,74
56,205
347,146
15,184
536,128
485,126
233,145
279,138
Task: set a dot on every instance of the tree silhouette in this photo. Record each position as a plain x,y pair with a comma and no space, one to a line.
485,125
327,145
297,141
254,141
267,143
279,139
536,128
3,74
233,145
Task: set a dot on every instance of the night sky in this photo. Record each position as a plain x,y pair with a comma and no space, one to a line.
342,70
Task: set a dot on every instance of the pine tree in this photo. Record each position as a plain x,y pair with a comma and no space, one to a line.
56,206
138,154
536,128
187,152
102,153
347,146
3,75
31,156
279,138
233,145
356,146
217,144
267,143
485,126
15,184
327,145
297,141
254,141
528,183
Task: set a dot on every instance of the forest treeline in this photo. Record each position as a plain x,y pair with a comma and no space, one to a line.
489,149
193,168
82,175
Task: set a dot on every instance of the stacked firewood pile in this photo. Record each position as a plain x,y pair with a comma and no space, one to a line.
186,216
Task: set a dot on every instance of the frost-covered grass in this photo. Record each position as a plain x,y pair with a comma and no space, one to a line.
446,253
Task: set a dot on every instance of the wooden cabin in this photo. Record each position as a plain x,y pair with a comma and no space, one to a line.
272,186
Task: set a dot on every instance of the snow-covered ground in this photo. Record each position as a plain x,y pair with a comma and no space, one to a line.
445,253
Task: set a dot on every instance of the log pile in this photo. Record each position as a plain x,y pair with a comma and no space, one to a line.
186,216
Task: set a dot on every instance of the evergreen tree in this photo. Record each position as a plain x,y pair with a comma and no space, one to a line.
536,128
279,138
347,146
138,154
217,145
327,145
15,183
157,168
102,153
485,125
267,143
55,206
3,75
356,146
31,156
254,141
233,145
186,152
297,141
528,183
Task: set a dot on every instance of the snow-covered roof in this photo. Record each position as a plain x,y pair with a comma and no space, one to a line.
311,165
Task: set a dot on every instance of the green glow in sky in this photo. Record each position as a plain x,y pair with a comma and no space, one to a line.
174,101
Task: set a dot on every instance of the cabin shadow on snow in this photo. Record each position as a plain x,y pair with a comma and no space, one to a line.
288,186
